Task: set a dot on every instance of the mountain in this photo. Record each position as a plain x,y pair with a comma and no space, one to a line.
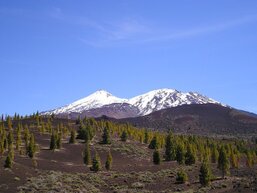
203,119
98,99
164,98
104,103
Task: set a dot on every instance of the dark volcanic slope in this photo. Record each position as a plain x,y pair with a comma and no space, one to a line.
199,119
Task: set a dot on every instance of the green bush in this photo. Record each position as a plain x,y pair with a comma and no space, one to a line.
181,176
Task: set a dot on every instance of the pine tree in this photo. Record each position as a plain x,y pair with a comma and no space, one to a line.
249,159
234,160
26,136
124,136
72,136
106,136
53,144
169,148
108,163
8,162
87,154
9,122
83,133
156,157
31,147
223,161
154,144
214,154
10,138
146,137
96,163
205,174
5,141
59,140
11,151
180,154
190,157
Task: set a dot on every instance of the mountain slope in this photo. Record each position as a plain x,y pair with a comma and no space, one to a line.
103,103
115,110
201,119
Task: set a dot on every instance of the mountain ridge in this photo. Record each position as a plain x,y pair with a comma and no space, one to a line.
140,105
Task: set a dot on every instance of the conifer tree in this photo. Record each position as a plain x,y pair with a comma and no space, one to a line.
154,144
156,157
214,154
11,151
8,162
9,122
146,137
106,136
205,174
87,154
96,163
169,148
124,136
234,160
249,159
59,140
26,136
223,161
108,163
72,136
53,144
190,156
180,154
10,138
31,147
5,141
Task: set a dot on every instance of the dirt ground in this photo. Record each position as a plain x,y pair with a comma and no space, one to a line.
132,171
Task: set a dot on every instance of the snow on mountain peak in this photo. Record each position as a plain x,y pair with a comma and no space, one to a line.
164,98
146,103
95,100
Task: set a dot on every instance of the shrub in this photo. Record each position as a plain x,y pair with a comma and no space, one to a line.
8,162
181,176
124,136
108,163
96,163
156,157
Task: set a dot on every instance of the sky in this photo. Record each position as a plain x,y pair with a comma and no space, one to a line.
53,52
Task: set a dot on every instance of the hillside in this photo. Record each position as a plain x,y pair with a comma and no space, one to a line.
203,119
62,169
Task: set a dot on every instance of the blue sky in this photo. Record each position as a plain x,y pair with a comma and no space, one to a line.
53,52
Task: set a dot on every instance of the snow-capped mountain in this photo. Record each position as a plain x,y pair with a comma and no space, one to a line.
137,106
164,98
95,100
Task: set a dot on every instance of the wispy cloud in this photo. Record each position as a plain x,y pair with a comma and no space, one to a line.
117,32
135,31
